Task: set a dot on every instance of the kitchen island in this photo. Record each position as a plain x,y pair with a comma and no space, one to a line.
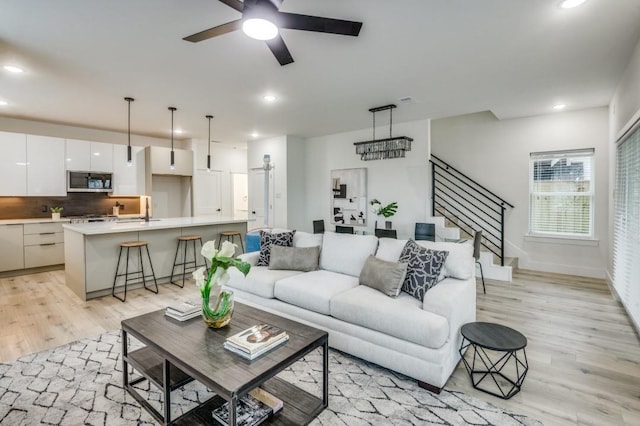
91,249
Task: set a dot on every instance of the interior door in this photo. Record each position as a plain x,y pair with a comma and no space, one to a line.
207,193
256,198
240,191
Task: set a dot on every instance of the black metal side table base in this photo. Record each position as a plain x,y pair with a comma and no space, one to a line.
482,367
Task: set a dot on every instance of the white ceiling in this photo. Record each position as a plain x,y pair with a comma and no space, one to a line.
513,57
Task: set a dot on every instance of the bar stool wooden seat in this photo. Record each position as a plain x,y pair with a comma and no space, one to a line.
133,275
187,265
230,236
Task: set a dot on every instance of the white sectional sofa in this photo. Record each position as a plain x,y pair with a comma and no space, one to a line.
418,339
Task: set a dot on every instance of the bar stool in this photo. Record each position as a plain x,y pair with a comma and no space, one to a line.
186,264
137,274
230,236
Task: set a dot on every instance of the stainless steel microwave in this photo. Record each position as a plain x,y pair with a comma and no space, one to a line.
89,182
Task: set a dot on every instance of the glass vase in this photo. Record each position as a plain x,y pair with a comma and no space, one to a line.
218,308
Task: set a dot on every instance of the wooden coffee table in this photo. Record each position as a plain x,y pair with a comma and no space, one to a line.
176,353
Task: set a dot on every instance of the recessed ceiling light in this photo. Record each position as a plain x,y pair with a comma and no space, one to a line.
178,131
559,107
269,98
569,4
97,154
4,103
14,69
254,135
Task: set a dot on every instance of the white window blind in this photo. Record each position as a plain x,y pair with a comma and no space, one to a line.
561,193
626,228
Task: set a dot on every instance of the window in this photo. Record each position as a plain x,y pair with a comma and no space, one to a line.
561,193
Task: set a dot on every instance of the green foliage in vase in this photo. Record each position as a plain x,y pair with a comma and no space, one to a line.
386,211
56,209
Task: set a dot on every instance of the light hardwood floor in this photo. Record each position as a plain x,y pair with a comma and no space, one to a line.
584,356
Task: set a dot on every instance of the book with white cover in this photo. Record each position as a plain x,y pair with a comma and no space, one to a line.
257,337
250,356
182,317
184,307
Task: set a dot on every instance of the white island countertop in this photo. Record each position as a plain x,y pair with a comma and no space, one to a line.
135,225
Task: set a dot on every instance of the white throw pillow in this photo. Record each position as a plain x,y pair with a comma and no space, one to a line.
460,262
305,239
389,249
346,253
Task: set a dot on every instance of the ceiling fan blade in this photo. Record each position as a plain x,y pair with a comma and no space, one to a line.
215,31
319,24
234,4
280,50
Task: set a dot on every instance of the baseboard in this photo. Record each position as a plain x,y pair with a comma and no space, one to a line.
563,269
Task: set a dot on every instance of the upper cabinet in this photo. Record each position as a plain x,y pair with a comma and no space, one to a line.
46,166
13,164
159,159
86,156
128,179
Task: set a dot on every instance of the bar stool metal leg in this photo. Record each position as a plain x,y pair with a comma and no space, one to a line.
115,278
153,273
175,259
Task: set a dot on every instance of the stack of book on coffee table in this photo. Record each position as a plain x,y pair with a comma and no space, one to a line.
255,341
251,409
183,311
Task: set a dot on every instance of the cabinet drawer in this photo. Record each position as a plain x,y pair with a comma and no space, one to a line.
42,228
43,238
45,255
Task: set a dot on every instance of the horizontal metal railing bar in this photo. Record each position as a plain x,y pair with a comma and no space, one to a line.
466,192
450,207
472,180
471,185
488,228
478,213
468,233
491,214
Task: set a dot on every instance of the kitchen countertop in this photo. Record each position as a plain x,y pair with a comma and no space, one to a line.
40,220
129,225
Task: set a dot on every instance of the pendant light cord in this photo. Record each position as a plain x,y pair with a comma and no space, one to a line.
209,117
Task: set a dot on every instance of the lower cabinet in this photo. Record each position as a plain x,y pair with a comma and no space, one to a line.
43,244
11,247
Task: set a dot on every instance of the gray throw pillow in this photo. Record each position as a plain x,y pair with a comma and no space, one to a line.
424,266
268,239
384,276
303,259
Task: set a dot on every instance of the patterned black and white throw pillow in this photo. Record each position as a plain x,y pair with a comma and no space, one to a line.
424,266
267,239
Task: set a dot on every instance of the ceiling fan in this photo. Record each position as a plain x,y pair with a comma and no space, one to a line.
261,20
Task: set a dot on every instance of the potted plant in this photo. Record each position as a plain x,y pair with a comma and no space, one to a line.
386,211
55,212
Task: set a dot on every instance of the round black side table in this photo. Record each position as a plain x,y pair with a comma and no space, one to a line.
497,353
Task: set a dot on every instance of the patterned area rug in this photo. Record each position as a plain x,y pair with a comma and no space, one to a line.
81,383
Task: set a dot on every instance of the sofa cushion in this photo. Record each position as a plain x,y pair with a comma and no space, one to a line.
346,253
303,259
259,281
305,239
423,268
402,317
384,276
460,263
267,239
314,290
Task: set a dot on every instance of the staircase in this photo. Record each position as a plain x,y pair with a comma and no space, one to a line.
460,206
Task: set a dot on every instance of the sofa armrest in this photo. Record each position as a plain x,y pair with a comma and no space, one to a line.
453,299
251,258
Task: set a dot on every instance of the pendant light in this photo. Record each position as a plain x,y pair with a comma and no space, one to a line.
129,100
173,155
209,117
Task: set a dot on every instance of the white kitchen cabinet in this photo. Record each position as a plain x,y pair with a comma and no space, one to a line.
160,161
11,247
13,164
78,155
46,169
43,244
87,156
101,157
128,180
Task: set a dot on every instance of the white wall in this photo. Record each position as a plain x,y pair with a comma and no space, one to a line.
404,180
225,159
496,154
296,183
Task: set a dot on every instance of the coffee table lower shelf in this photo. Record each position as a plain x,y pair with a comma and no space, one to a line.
300,407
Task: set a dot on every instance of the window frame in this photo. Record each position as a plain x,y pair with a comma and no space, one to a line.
537,156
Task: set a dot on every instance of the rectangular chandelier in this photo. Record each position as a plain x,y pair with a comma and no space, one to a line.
383,149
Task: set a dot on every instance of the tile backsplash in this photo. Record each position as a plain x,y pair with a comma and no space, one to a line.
74,204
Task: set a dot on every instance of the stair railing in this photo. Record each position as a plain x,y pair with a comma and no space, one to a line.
465,202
